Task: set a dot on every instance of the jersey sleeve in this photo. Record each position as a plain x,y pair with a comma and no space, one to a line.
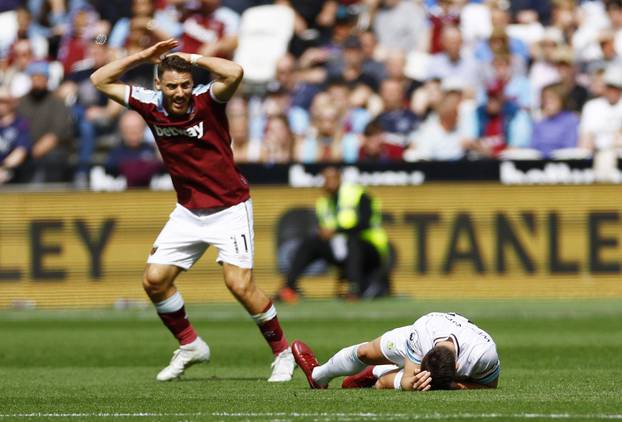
486,367
204,94
414,348
142,100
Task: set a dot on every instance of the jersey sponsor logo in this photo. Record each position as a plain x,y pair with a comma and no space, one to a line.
195,131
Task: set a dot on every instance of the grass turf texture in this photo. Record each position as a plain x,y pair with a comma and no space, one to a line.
560,360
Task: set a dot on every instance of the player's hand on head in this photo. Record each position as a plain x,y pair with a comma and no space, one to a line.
423,381
155,53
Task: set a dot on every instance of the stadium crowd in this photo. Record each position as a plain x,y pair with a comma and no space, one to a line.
357,81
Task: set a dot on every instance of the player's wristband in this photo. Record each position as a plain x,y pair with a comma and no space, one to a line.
397,381
194,58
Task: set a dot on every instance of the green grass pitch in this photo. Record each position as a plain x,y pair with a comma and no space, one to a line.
560,361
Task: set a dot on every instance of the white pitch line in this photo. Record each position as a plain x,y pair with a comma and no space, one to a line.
324,415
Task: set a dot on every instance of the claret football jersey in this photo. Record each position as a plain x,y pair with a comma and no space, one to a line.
476,351
195,147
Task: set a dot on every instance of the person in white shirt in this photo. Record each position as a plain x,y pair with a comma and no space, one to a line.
439,351
601,118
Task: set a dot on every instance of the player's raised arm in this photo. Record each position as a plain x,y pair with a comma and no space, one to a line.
106,78
228,74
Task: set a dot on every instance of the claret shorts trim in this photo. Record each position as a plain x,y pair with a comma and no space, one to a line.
187,235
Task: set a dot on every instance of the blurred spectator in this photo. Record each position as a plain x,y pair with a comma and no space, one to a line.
614,12
93,113
608,54
27,30
426,98
371,65
395,63
401,25
353,117
516,86
290,78
396,119
313,23
576,95
51,128
526,11
440,136
500,124
322,143
14,137
446,13
277,102
245,149
211,31
133,158
500,43
82,29
375,148
278,144
13,73
350,67
601,119
564,17
543,71
156,25
454,61
559,127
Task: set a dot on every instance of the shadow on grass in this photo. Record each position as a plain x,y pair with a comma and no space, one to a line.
215,378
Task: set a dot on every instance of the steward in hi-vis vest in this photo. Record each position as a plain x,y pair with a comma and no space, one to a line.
350,236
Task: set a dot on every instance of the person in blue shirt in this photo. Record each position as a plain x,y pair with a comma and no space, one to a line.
14,138
559,127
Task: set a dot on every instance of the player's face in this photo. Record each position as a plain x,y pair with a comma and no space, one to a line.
176,88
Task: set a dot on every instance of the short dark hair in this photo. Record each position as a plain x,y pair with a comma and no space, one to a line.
441,363
373,128
175,63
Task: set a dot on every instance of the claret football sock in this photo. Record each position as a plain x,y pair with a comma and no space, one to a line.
172,312
268,324
344,362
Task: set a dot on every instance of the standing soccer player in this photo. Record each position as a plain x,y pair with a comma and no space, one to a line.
214,207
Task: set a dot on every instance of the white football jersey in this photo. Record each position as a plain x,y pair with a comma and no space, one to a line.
476,352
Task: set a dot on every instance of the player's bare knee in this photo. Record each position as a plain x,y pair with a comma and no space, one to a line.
154,281
365,352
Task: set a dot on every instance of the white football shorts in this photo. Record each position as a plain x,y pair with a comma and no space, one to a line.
187,235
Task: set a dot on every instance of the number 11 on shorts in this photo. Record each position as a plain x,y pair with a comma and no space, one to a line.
244,242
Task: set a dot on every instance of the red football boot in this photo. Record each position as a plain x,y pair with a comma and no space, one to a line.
364,379
306,361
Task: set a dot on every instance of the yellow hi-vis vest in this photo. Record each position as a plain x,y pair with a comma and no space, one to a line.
343,215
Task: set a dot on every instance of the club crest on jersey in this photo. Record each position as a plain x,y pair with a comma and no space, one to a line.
195,131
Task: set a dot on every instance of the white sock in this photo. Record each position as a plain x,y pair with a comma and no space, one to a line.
380,370
344,362
172,304
265,316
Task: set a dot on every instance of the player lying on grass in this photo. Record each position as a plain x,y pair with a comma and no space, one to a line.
440,351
